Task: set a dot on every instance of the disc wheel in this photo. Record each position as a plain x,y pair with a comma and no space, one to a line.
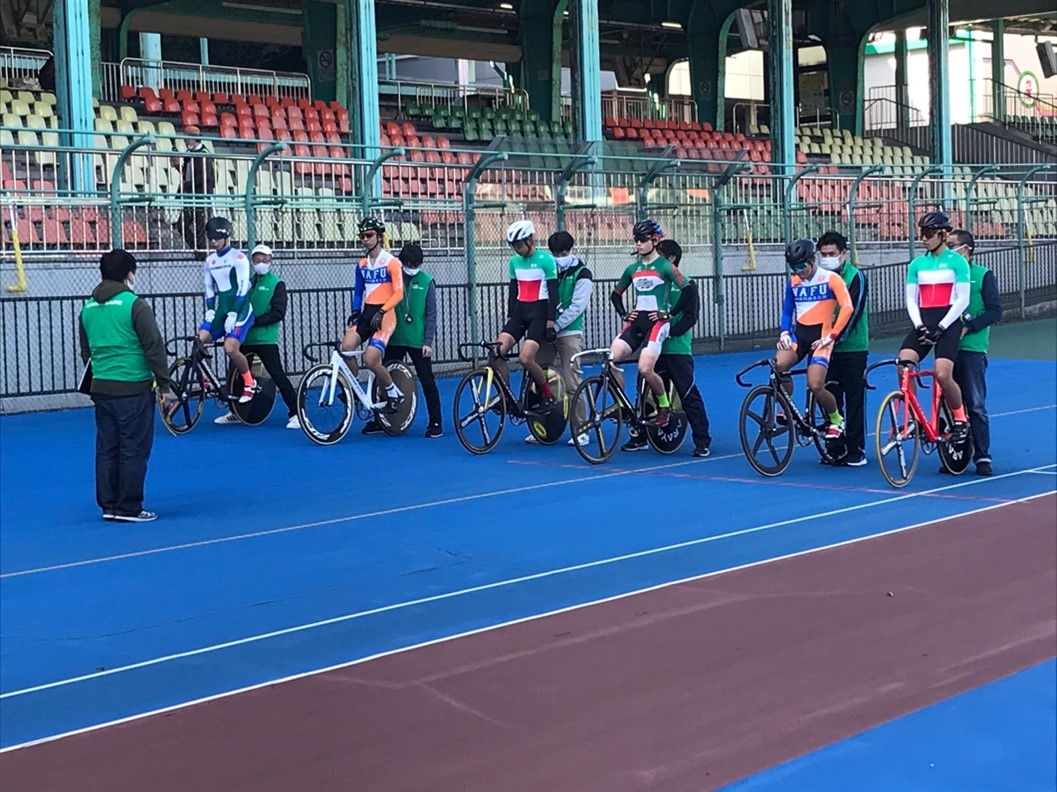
189,388
324,405
898,440
548,429
479,411
596,398
396,423
832,451
766,440
953,456
256,410
665,439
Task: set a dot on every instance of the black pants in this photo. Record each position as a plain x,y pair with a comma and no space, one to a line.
269,356
124,437
424,369
194,229
847,370
680,370
970,372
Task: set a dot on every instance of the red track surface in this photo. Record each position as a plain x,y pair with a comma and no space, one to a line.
684,688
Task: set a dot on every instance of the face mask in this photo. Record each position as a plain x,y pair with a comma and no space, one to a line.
412,271
131,282
829,262
564,262
262,268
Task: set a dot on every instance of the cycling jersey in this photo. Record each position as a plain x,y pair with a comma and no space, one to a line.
227,279
939,286
378,282
653,284
812,301
532,274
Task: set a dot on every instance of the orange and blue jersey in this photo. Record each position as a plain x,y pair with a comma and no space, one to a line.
378,282
813,302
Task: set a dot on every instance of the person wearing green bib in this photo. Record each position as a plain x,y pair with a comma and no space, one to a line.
415,333
847,364
268,300
970,368
121,340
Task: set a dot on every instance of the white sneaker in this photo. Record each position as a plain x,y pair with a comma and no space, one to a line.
584,439
227,419
294,422
531,440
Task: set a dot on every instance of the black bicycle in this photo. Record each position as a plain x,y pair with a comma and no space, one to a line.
193,380
605,406
483,402
771,425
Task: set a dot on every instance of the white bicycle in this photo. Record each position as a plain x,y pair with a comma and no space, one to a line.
329,394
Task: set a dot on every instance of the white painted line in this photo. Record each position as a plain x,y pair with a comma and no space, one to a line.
511,623
484,587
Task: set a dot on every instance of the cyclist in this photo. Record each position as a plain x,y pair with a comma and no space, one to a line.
379,288
847,364
812,296
531,307
937,294
646,326
229,312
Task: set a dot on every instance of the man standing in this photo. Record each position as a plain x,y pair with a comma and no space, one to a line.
120,337
847,364
268,300
970,368
198,182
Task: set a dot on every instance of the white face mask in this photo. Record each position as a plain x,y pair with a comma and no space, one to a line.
829,262
412,271
564,262
130,281
262,268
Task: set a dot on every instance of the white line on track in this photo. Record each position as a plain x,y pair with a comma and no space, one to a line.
512,622
490,586
396,510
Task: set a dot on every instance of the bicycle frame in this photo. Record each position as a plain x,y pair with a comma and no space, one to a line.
608,376
774,381
492,377
338,368
930,426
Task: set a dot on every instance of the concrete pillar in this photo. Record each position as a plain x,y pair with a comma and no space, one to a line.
902,96
707,50
939,40
587,99
364,115
319,42
73,83
844,61
998,69
782,74
540,24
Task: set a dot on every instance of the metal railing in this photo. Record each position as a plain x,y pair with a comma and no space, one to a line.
193,77
427,94
20,66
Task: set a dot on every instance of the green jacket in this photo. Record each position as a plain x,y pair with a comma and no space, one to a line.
985,308
416,313
856,334
119,334
268,299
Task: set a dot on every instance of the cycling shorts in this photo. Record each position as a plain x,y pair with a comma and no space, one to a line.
654,334
529,320
946,348
803,337
379,338
216,327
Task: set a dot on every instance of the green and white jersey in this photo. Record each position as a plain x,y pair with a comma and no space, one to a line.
653,282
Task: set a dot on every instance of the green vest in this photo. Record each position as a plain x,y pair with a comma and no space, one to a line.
412,334
677,345
115,348
858,340
981,339
261,299
566,287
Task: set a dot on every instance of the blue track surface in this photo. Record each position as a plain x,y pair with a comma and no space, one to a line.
275,557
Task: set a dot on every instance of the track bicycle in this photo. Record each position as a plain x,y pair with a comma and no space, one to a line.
484,401
903,428
605,406
193,380
771,425
330,393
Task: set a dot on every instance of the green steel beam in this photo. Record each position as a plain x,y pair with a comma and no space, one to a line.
998,70
251,188
939,77
587,101
911,196
366,199
115,187
1022,222
363,75
665,163
782,75
469,221
853,199
73,83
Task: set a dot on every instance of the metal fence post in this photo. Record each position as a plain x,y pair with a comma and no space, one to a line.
368,182
1022,223
717,242
911,236
579,162
115,187
787,220
665,163
853,196
969,194
469,216
251,185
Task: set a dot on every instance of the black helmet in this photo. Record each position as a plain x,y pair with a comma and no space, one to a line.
372,224
799,253
218,228
647,228
940,221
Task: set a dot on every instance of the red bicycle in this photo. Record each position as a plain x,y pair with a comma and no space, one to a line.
903,428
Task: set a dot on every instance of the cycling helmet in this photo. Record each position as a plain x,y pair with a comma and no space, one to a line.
372,224
647,229
519,230
798,253
939,221
218,228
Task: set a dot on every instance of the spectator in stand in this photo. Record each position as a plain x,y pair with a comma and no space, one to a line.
198,183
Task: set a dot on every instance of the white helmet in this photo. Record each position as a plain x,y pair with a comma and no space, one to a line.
519,230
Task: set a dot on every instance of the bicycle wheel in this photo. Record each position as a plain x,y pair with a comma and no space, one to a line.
187,385
898,440
549,428
766,442
324,405
479,411
256,410
831,451
597,400
396,423
668,438
953,456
